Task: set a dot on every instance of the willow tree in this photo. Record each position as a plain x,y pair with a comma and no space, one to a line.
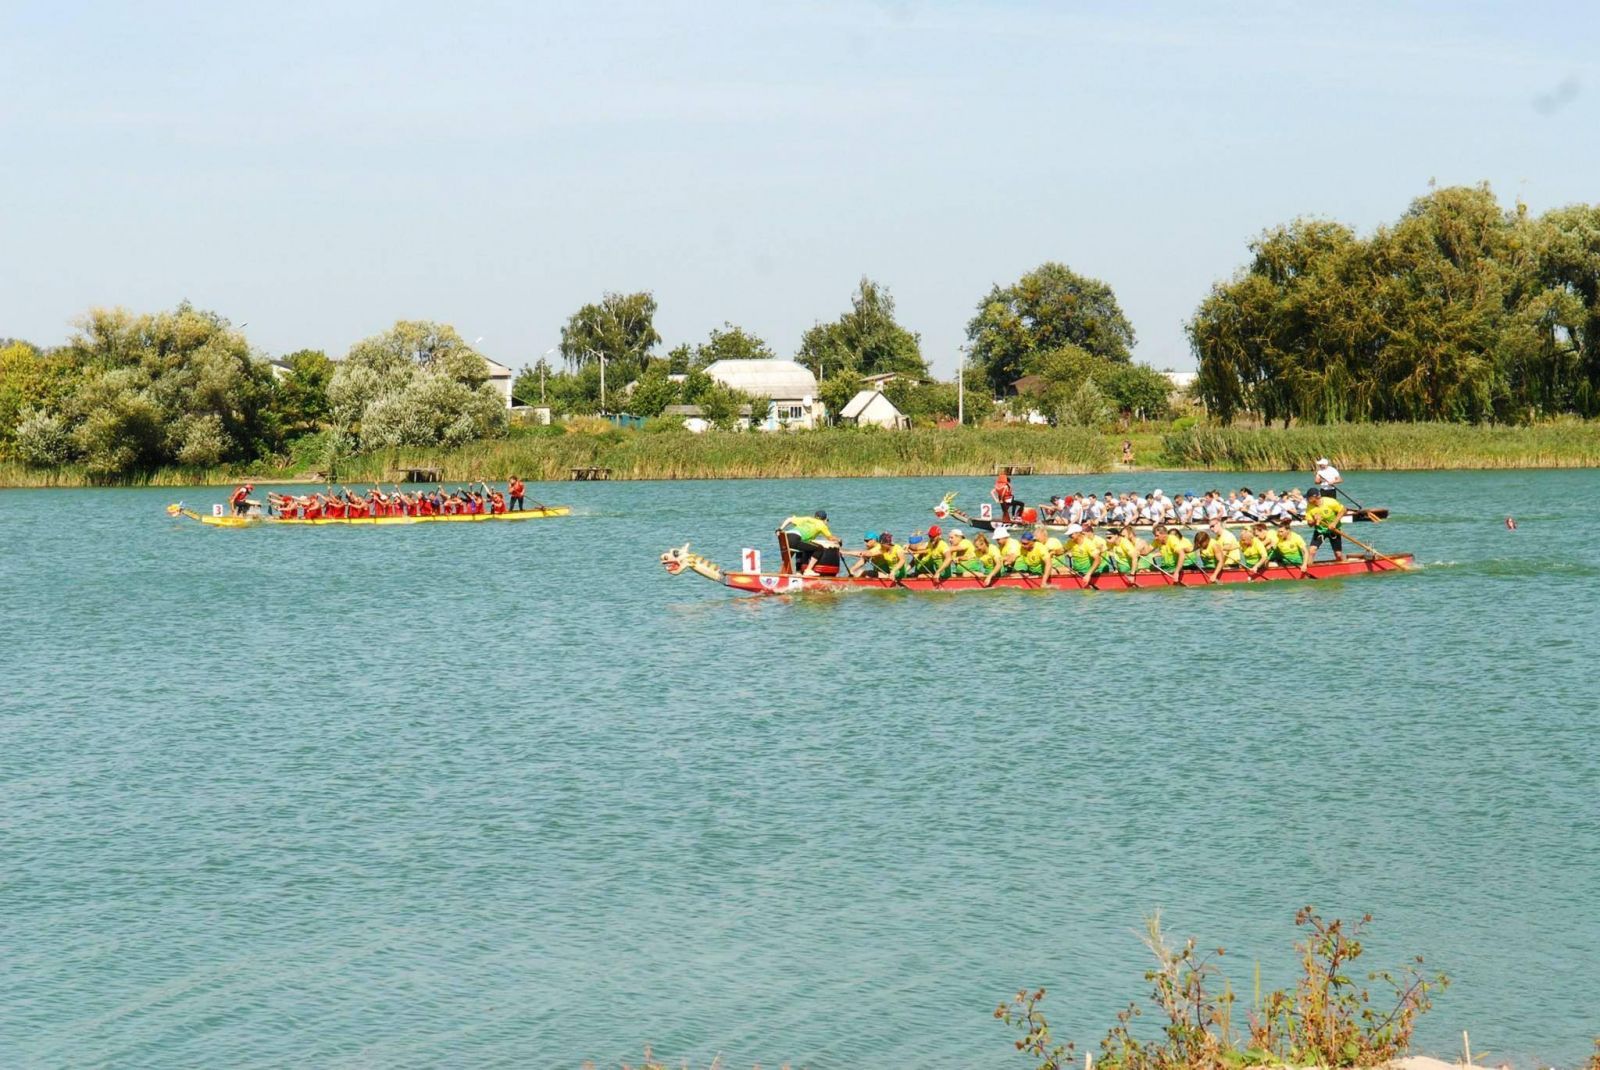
619,329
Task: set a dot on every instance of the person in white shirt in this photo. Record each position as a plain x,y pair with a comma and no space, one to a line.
1327,477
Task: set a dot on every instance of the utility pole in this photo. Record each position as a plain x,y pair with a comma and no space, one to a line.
961,389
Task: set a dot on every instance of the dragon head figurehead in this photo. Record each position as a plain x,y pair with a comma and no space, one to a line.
679,558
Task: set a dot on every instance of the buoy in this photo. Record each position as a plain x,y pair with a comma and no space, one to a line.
1511,525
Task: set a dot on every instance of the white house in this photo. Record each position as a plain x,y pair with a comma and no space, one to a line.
869,408
500,378
791,386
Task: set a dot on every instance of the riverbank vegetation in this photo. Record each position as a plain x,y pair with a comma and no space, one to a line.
1462,336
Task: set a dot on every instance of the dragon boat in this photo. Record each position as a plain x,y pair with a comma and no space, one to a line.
947,509
681,559
225,520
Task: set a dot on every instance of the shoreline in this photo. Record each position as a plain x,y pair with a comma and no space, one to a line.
551,454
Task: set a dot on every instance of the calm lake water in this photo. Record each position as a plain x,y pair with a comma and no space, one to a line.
509,795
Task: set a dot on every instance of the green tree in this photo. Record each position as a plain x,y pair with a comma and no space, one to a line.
180,386
729,343
31,381
301,397
416,384
866,340
620,328
1050,307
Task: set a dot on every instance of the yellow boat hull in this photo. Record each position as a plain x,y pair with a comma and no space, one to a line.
366,521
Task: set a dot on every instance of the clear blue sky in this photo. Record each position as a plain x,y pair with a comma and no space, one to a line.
321,170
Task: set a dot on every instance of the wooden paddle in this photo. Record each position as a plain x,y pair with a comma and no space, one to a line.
1400,563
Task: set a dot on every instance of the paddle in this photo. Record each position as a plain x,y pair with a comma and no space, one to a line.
1399,563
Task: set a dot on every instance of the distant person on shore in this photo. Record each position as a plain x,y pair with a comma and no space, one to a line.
516,488
1127,451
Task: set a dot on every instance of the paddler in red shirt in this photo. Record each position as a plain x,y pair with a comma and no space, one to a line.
516,489
1002,493
240,496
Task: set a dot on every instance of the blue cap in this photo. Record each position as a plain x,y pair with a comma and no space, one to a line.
871,536
918,538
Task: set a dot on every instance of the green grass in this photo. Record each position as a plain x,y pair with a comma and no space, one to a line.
1560,444
541,453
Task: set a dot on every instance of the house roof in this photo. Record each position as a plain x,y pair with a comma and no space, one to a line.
1028,384
858,404
770,378
496,369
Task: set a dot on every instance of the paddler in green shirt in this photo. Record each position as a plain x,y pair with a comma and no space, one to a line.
1175,550
809,539
1083,552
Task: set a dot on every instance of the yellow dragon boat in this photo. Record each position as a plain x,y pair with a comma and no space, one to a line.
225,520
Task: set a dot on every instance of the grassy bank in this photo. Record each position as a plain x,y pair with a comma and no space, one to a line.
1562,444
552,453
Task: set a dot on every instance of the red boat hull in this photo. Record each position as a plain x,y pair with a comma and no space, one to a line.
767,583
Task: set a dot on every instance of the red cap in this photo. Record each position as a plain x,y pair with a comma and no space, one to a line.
933,532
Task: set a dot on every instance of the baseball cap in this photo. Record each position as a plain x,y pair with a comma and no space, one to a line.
933,531
1073,529
1322,460
871,536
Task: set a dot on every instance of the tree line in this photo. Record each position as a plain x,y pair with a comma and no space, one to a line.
133,392
1459,311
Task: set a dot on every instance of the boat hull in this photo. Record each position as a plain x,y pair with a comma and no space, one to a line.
370,521
766,583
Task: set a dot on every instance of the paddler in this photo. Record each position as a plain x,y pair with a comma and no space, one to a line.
1084,555
985,559
1288,547
1010,548
239,501
1323,513
1032,561
879,556
1255,548
1223,546
1128,552
1175,550
807,541
962,549
515,488
935,558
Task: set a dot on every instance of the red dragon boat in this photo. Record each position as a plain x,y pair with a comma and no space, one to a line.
680,560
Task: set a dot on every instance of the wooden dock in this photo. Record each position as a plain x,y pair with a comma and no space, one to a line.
416,475
593,472
1014,469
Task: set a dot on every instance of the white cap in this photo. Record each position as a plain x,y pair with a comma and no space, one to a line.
1002,532
954,533
1322,460
1073,529
1156,493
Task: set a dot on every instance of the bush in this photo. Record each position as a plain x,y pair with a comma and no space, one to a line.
43,440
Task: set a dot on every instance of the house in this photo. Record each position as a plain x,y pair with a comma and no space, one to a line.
694,419
869,408
790,386
1028,384
500,378
882,379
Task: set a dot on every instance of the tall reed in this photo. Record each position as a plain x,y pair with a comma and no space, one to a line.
1559,444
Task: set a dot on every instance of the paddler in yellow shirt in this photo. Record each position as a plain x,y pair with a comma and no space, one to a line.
1084,556
1128,552
1033,560
935,557
1288,547
985,561
880,557
1010,548
1324,515
1224,547
1175,550
1255,549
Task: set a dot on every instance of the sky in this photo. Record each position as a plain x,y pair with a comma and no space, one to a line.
318,171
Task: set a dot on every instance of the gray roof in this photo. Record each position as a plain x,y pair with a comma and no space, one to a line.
776,379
